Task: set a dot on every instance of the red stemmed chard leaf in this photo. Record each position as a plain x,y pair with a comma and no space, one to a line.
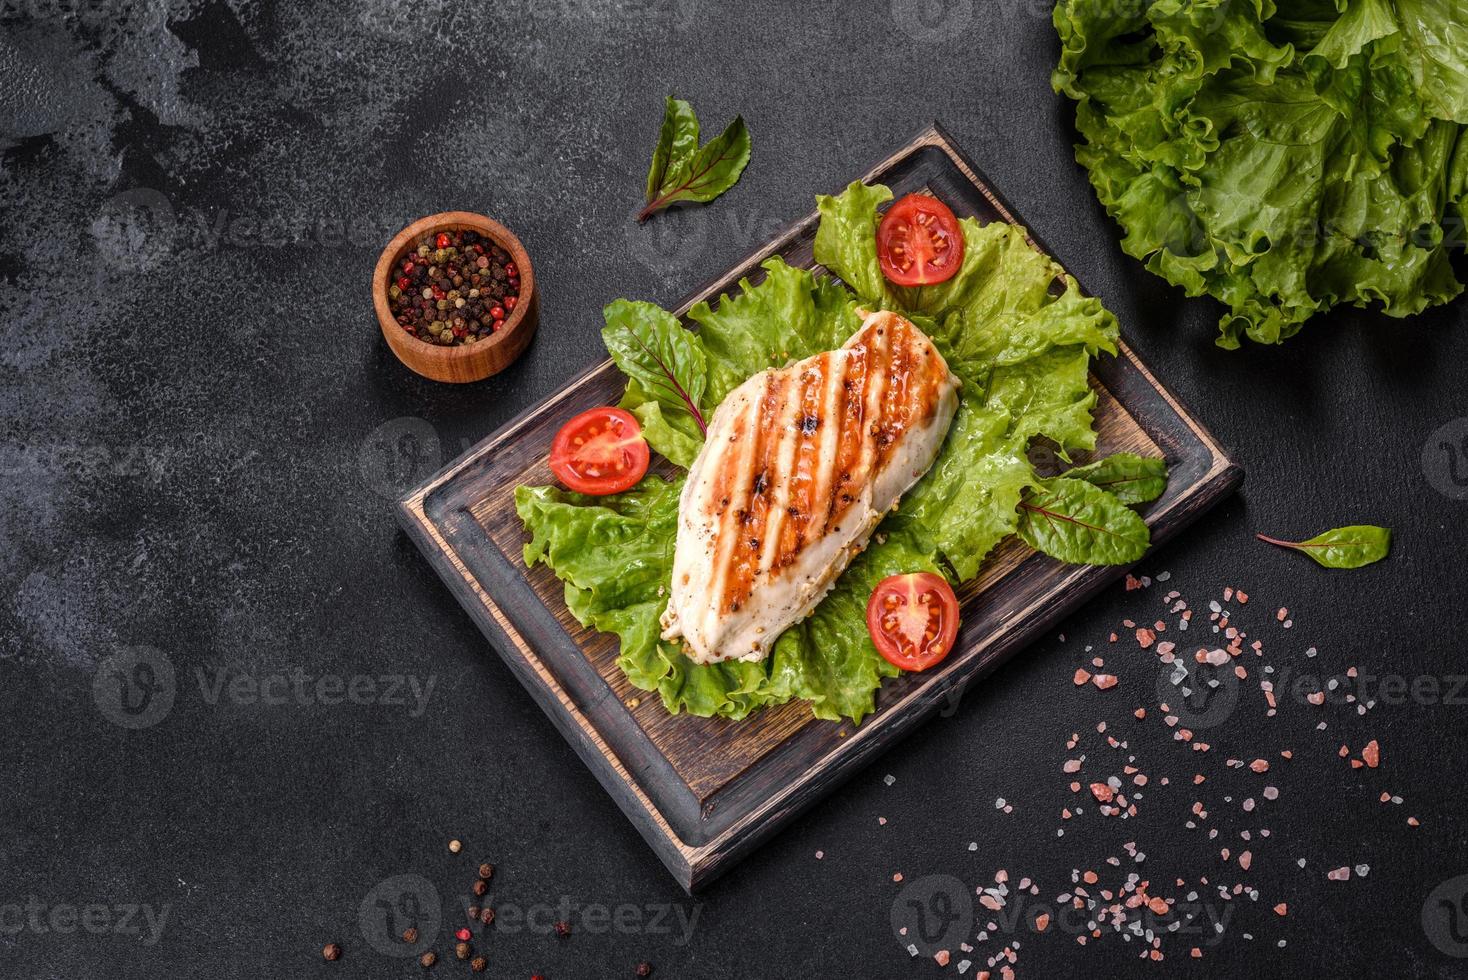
667,376
1342,547
682,170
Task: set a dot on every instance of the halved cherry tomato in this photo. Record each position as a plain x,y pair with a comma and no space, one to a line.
600,451
913,619
919,242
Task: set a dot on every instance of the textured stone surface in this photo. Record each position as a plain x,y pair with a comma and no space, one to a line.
202,432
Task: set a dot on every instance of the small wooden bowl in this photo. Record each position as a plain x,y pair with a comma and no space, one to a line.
467,362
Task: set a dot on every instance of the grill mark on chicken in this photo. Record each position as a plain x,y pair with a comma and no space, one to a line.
800,448
748,550
805,462
738,458
849,441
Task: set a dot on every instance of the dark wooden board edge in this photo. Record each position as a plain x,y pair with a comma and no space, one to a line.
694,866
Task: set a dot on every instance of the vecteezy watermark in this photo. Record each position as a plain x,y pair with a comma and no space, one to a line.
941,21
1445,917
415,19
136,230
1189,916
936,913
394,906
297,687
1445,459
1198,695
932,21
670,242
933,913
398,455
39,918
77,460
135,687
89,13
668,919
1364,688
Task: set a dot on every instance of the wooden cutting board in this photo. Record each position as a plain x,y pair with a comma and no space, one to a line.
704,792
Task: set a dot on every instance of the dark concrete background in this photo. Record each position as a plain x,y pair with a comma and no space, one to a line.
196,405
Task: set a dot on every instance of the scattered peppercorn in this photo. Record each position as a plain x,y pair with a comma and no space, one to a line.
473,912
455,847
644,969
428,959
410,935
478,964
486,871
480,887
563,929
487,916
463,935
331,952
456,288
462,951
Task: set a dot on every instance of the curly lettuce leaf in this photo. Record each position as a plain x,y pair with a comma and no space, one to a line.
1284,160
790,315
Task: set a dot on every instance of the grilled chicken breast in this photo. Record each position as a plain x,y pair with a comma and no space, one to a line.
799,466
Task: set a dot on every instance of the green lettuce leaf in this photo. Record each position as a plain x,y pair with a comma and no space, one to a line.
1283,158
790,315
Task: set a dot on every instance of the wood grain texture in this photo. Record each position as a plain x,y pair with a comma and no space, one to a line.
705,791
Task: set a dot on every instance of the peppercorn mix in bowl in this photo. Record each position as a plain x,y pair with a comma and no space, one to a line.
455,296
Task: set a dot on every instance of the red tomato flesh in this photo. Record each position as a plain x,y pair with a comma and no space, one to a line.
600,451
919,242
913,619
